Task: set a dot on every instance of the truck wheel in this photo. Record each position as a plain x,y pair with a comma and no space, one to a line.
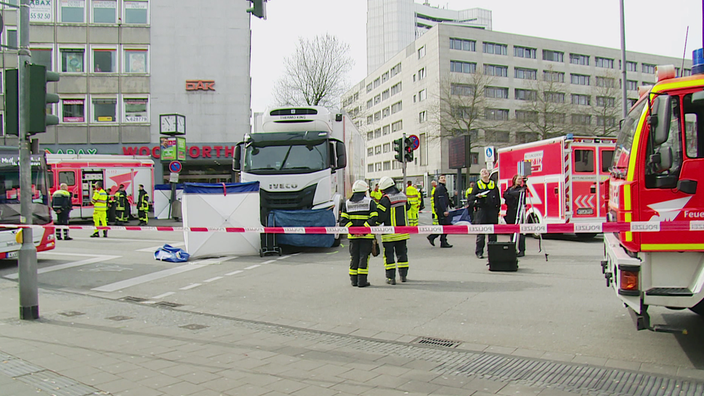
698,309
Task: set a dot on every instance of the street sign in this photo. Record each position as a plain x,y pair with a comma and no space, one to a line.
415,142
173,177
175,166
489,153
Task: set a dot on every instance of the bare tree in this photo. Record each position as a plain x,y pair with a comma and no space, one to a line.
545,109
315,74
606,107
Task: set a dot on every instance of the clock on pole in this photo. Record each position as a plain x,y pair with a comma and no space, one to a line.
172,124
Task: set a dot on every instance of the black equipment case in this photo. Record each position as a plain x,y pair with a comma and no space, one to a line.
502,256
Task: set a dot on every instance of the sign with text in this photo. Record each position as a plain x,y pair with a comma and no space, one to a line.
200,85
172,148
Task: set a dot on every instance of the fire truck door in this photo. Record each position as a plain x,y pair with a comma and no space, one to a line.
606,156
70,177
584,183
553,198
89,177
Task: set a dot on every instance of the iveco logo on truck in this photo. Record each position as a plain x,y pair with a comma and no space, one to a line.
283,186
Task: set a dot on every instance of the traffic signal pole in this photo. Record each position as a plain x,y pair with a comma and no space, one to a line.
403,152
27,259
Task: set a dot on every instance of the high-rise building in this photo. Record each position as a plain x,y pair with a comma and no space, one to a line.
394,24
125,62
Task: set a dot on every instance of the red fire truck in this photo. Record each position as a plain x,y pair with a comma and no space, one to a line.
566,182
658,163
81,171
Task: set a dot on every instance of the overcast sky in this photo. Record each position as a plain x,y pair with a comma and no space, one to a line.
652,26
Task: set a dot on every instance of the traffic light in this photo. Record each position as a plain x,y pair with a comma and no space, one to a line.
258,8
408,150
398,148
12,110
39,99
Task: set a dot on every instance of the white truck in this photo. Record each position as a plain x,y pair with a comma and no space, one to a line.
304,158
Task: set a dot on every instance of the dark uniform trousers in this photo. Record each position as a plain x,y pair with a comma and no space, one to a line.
484,216
360,249
401,251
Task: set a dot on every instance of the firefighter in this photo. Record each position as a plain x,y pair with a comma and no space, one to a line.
121,205
143,206
376,194
100,209
413,196
61,203
393,207
485,198
357,212
434,184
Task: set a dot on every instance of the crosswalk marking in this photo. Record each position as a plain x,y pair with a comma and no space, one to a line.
154,276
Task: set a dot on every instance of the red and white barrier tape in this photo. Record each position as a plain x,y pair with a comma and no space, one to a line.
569,228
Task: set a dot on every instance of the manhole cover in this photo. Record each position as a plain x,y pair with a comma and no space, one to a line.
437,342
71,313
119,318
133,299
167,304
193,327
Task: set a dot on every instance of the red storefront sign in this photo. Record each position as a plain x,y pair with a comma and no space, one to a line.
194,152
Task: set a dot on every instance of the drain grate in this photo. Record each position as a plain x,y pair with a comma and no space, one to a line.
133,299
193,327
437,342
71,313
119,318
167,304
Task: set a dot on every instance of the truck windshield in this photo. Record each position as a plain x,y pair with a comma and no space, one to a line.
295,158
624,143
10,191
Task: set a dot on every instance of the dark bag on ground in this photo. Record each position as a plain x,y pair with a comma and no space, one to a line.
375,247
502,256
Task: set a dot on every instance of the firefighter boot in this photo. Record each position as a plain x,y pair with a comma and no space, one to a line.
58,234
353,279
66,237
391,276
96,234
402,273
105,233
362,281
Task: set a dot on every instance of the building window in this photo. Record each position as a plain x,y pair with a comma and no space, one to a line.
554,97
496,49
606,121
526,116
421,52
687,72
497,136
11,38
136,11
377,133
607,82
631,85
73,11
582,100
387,165
377,82
496,92
464,45
370,103
377,116
104,60
422,95
463,67
496,114
525,74
631,66
72,60
377,166
496,70
555,118
385,112
605,63
104,11
395,89
370,119
526,94
370,151
605,101
42,56
581,119
422,117
385,95
524,52
526,137
395,70
370,168
386,147
647,68
369,87
385,77
421,74
397,126
136,110
377,149
386,129
577,59
553,76
73,110
579,79
104,110
461,89
136,61
377,99
553,56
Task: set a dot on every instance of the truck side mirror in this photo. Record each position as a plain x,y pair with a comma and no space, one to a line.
236,158
659,119
341,155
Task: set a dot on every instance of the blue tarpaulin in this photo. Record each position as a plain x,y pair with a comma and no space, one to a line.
460,216
221,188
303,218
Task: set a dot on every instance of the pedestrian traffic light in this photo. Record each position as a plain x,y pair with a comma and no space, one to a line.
38,118
408,149
258,8
398,148
12,110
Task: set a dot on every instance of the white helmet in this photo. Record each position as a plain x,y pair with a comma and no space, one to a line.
386,182
360,186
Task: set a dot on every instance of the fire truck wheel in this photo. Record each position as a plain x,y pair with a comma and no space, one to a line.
699,308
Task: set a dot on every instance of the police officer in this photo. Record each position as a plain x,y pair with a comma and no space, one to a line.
61,203
413,196
392,208
357,212
143,206
441,200
121,205
486,200
100,209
